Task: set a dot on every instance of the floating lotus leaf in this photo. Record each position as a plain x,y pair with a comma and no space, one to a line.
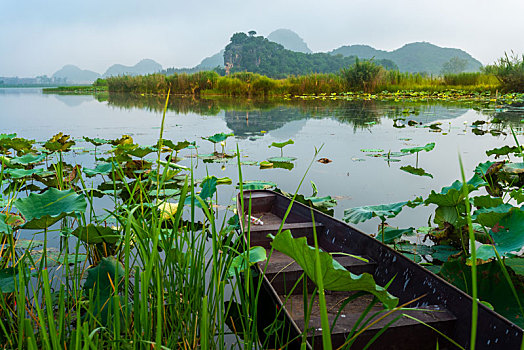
281,159
218,137
238,264
43,210
141,152
283,165
334,276
100,169
20,173
266,164
443,252
415,171
28,243
371,150
428,147
364,213
28,158
408,247
95,234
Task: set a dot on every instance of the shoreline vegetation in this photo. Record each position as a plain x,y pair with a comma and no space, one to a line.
360,80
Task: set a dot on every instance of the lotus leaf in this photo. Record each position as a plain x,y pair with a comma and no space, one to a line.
95,234
266,164
391,234
322,202
408,247
20,145
453,195
502,151
59,142
443,252
209,187
428,147
7,136
140,152
218,137
4,227
175,147
125,139
28,158
516,264
517,195
364,213
100,169
281,159
334,276
486,201
492,287
283,165
508,236
20,173
9,279
491,216
96,141
28,243
371,150
102,277
43,210
281,144
415,171
238,264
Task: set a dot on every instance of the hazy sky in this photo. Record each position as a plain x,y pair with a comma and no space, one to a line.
39,37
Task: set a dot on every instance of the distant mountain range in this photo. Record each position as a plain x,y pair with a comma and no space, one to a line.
414,57
74,75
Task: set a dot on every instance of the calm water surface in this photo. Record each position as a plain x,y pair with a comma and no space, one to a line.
342,128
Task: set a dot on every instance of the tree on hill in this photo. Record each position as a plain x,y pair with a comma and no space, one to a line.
455,65
259,55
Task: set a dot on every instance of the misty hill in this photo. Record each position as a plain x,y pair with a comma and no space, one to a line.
217,60
413,57
289,39
146,66
259,55
74,75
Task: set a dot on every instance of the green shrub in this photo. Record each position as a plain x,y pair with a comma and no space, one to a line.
363,75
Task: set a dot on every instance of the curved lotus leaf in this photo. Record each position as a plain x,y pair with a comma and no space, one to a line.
20,173
266,164
256,254
490,217
383,211
141,152
224,181
415,171
452,195
482,168
428,147
516,264
28,158
43,210
18,144
218,137
100,169
281,144
391,234
443,252
175,147
4,227
334,276
322,202
281,159
94,234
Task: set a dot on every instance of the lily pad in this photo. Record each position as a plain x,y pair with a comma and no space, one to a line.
43,210
28,158
334,276
281,159
20,173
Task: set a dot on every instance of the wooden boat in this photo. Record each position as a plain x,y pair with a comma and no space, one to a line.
441,305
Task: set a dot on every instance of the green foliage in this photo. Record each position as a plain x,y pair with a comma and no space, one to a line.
455,65
509,70
364,213
362,75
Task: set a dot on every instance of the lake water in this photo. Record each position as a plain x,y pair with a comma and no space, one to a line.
342,128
